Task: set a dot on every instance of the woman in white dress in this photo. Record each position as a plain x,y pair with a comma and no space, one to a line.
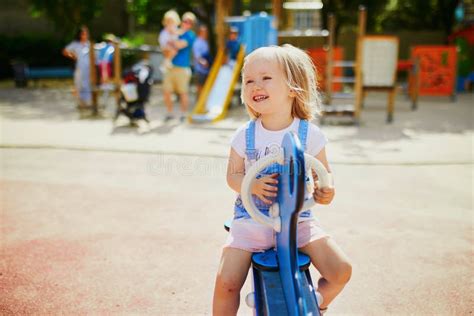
78,50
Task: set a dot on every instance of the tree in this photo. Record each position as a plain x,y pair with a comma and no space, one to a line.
446,10
148,13
68,15
394,15
419,15
346,12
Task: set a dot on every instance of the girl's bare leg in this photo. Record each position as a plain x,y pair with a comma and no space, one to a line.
233,269
332,264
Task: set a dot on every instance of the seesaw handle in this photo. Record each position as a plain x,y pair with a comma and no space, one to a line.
324,180
324,177
247,200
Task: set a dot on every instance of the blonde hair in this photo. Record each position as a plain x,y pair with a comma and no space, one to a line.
189,16
300,75
171,15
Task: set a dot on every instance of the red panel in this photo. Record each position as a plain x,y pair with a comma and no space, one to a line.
437,69
318,55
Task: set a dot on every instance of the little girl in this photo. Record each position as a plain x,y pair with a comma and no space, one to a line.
280,93
167,37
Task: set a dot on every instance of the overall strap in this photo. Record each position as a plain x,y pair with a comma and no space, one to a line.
303,132
250,141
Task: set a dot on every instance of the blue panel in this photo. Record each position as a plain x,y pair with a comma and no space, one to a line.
276,303
50,72
309,294
265,36
270,299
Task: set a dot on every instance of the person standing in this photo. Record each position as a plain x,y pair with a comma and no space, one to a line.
78,50
232,46
167,37
177,79
201,55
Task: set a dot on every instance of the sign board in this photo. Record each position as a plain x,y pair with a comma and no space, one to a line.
379,60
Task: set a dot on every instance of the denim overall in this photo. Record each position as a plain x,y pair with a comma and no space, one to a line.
250,151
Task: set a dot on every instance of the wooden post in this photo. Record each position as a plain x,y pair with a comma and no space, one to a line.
330,58
454,95
393,91
117,72
223,9
358,68
415,86
276,11
93,77
391,101
220,23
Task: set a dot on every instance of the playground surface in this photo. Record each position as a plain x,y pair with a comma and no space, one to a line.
97,220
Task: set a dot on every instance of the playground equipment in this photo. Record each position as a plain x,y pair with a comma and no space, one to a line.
112,84
463,38
216,95
379,68
368,74
412,67
375,69
220,86
281,278
346,109
330,64
437,72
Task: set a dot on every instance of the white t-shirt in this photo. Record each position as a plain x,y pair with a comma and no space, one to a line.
165,38
267,141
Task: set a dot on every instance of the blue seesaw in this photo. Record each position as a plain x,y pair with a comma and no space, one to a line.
281,278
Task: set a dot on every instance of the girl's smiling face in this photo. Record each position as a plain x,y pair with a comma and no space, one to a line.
265,89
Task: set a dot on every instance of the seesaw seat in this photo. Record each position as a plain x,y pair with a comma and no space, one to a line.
267,261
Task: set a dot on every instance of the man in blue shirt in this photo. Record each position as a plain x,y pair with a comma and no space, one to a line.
177,79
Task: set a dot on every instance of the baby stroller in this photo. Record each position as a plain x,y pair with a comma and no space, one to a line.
135,92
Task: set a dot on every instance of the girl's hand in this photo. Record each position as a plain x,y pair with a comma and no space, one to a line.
265,188
324,195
